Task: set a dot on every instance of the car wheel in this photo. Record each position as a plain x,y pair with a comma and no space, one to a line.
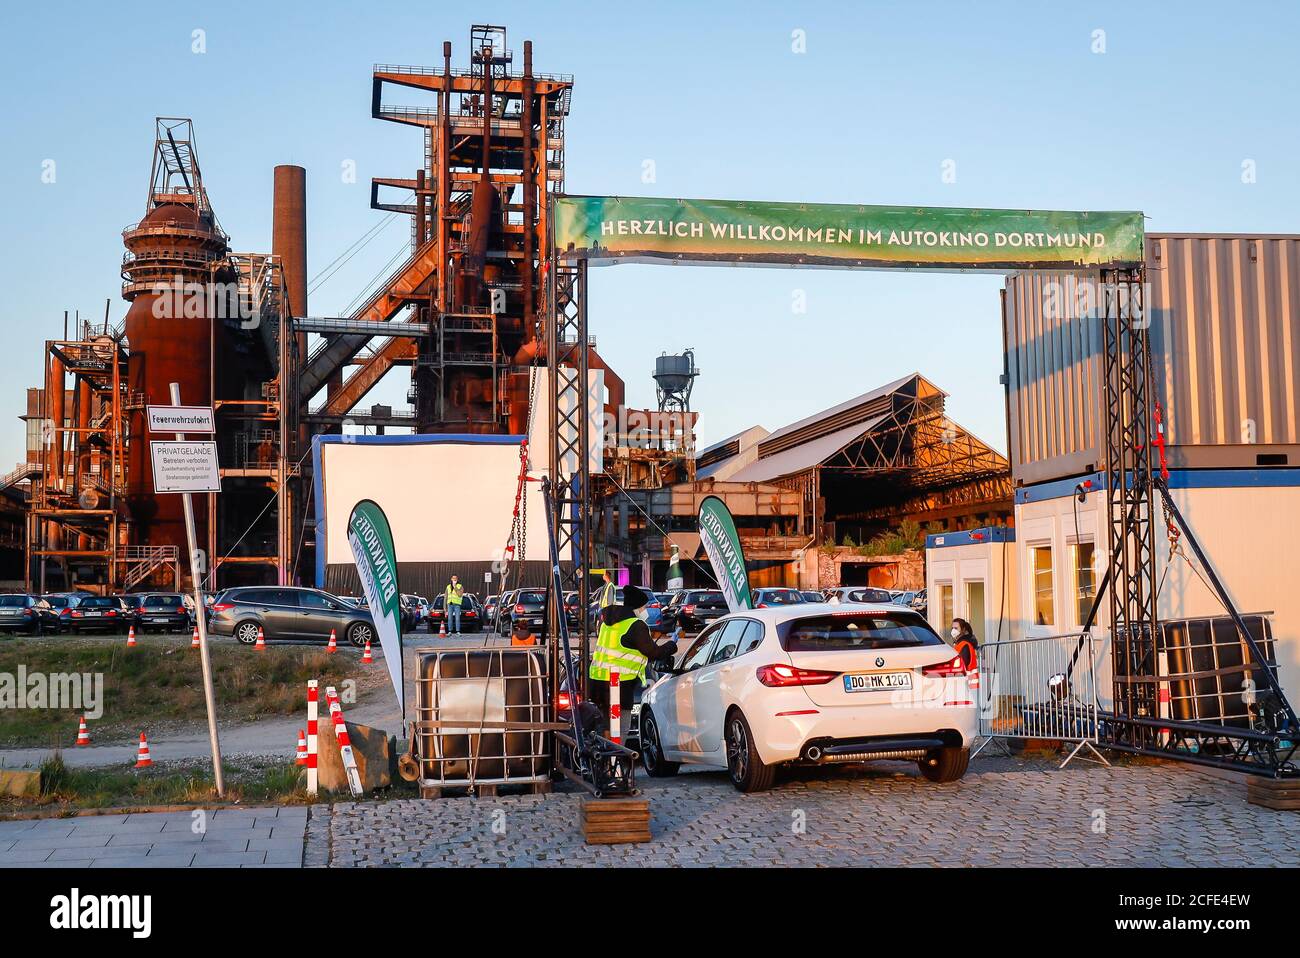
359,633
246,632
652,753
748,772
945,764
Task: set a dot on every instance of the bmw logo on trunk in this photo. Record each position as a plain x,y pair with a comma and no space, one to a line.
880,661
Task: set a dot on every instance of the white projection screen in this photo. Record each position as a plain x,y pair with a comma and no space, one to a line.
449,500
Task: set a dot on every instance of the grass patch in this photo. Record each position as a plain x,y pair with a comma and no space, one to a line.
159,683
249,781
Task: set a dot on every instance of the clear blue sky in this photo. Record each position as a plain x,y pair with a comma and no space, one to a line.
714,95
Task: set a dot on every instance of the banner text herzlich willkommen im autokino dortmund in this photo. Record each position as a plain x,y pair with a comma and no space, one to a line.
606,229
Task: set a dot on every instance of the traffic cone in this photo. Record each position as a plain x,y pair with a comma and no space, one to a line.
366,657
302,748
334,643
260,646
442,630
83,734
142,759
194,639
130,638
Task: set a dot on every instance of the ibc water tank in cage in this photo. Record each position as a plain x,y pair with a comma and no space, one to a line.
477,711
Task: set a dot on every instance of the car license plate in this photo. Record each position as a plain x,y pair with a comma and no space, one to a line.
92,615
878,682
160,618
8,611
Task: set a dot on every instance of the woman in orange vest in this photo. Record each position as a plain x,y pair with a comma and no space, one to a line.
964,641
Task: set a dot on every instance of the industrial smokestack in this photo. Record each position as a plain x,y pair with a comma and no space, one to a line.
289,238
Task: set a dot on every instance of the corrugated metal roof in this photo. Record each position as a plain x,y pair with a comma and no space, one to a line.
844,406
806,455
704,472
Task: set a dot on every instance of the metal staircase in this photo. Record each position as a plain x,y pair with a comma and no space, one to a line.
335,352
143,561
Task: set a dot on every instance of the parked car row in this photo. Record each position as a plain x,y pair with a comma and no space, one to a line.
78,612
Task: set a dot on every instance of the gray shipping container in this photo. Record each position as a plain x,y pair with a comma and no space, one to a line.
1225,353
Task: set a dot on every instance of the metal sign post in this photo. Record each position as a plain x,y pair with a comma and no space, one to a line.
209,696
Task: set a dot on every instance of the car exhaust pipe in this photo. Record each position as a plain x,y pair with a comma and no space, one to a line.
812,753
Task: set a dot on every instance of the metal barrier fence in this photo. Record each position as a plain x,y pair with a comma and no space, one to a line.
1043,688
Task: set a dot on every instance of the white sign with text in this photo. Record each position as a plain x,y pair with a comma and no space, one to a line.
182,466
181,419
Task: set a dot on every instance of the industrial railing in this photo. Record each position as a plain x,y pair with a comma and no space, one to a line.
438,71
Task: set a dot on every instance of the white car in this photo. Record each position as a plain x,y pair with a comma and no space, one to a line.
813,685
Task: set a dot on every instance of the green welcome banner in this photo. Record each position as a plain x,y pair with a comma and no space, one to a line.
371,540
607,229
722,544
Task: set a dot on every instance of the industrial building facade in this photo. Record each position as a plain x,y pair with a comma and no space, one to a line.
460,312
809,498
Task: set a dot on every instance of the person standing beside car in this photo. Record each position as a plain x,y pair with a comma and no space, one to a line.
624,645
454,595
964,641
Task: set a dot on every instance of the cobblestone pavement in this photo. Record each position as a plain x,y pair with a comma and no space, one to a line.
230,838
1019,815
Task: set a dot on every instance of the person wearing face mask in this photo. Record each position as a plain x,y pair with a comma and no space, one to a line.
624,645
964,641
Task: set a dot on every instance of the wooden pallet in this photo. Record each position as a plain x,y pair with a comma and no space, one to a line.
485,791
1279,794
616,821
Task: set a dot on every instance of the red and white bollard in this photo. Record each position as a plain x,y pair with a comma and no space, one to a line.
1164,698
615,710
345,744
313,704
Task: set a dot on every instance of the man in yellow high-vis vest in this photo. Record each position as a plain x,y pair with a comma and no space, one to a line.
625,645
453,597
608,594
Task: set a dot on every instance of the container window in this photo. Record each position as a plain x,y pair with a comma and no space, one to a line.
975,607
945,605
1085,578
1043,585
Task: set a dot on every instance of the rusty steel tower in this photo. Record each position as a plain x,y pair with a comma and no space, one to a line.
462,311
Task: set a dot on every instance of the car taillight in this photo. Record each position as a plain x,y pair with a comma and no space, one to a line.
688,609
519,609
762,605
564,701
782,676
223,607
181,609
946,669
111,612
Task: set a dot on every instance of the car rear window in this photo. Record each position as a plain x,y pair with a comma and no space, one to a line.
706,599
157,600
780,598
10,601
531,598
843,632
98,603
